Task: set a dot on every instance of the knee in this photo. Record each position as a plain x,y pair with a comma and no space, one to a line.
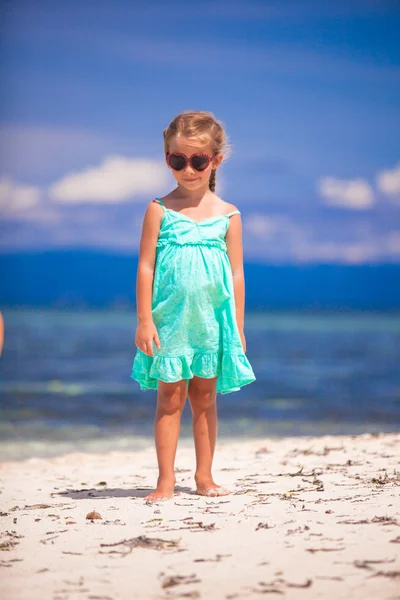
170,403
202,401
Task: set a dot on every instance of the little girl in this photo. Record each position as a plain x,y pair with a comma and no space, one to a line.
190,299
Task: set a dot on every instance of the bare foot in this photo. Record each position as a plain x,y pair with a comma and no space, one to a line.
163,491
211,489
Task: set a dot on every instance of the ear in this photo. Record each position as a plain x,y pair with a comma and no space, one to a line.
217,161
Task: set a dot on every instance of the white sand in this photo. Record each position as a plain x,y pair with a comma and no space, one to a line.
308,518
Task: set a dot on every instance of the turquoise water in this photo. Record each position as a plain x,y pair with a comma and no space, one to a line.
65,380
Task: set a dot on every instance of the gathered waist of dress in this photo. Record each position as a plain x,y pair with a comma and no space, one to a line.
217,243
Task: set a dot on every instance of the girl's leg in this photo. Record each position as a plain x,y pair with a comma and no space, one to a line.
203,401
171,399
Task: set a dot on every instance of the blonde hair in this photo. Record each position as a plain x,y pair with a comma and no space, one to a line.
201,126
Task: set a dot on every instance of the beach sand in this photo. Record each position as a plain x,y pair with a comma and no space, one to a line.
308,517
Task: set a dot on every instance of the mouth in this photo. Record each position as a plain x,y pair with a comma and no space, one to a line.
189,180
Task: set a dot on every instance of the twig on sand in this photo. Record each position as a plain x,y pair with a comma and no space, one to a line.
383,520
195,526
272,587
143,541
174,580
216,559
312,550
366,564
11,542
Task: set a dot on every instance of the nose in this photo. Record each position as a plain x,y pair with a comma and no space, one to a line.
188,170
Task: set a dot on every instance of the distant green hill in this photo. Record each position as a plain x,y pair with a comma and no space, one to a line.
74,278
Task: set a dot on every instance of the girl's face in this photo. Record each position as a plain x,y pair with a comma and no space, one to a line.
189,177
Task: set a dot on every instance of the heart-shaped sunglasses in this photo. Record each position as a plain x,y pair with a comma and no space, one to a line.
199,162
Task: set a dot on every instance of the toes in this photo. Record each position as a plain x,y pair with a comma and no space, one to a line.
214,492
154,499
157,500
221,491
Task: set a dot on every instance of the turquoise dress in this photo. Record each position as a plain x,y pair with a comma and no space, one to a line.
193,307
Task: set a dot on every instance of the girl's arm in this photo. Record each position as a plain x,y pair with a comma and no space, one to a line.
145,272
235,254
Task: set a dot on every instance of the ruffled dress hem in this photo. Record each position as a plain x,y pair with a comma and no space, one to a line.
233,370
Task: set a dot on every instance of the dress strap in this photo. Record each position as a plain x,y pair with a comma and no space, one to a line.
161,202
234,212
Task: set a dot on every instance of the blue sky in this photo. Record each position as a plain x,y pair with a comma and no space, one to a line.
308,90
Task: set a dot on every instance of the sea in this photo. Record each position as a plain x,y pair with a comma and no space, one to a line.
65,382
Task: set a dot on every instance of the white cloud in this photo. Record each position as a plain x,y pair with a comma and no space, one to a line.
393,243
117,179
260,225
354,194
358,252
15,198
279,239
388,182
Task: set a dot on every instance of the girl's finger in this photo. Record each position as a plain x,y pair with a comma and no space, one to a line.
157,340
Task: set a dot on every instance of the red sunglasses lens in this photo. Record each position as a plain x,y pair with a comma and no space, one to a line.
177,162
199,162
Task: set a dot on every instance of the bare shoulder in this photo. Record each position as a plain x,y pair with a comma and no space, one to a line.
230,207
153,216
226,207
167,200
154,209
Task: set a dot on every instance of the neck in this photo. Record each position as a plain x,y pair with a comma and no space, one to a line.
192,197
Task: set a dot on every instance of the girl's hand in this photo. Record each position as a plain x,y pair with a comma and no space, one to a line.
243,339
145,334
